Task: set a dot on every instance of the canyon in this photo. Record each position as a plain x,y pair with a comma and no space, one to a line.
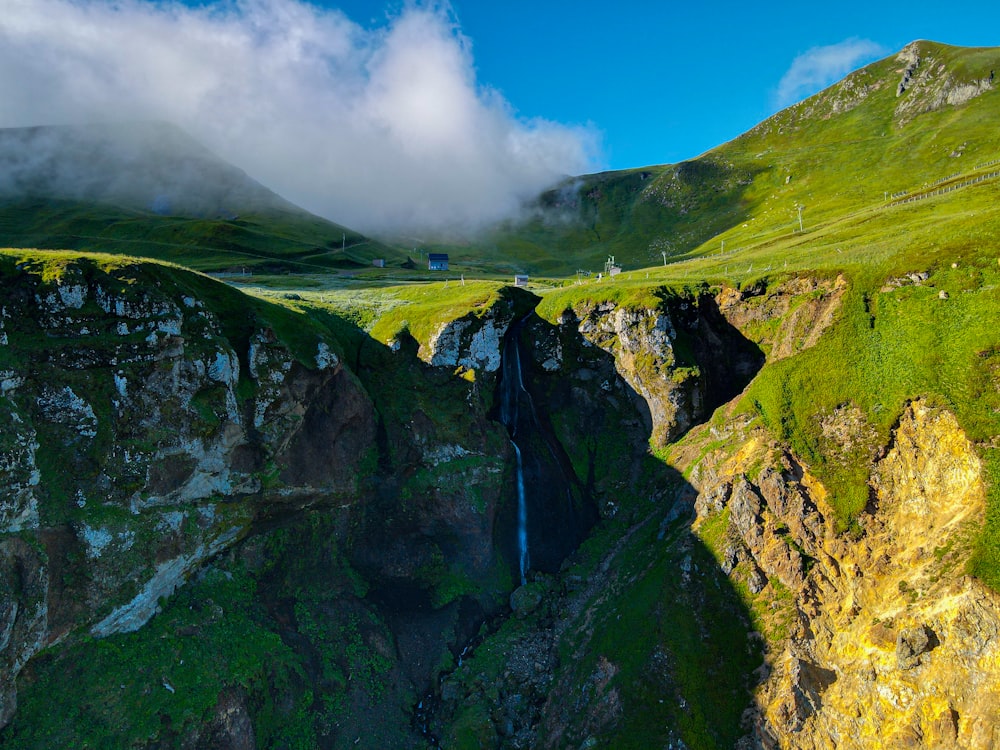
365,495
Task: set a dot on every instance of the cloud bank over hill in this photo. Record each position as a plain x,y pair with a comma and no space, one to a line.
379,128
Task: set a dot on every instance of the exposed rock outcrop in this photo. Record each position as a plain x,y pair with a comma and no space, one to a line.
24,615
683,357
883,642
787,318
475,341
139,442
926,84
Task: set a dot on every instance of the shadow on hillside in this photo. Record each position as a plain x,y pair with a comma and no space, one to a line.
636,215
726,360
648,639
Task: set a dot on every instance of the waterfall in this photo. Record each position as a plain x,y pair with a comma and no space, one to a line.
522,519
511,394
548,517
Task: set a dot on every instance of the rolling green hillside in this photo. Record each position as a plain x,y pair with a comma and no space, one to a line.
149,189
275,242
845,151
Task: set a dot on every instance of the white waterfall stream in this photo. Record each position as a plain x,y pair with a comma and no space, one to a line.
522,519
509,411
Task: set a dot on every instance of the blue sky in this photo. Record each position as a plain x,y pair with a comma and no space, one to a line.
408,115
666,81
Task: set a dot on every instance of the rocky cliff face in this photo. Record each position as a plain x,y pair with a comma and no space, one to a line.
602,652
926,83
690,353
682,357
139,441
864,638
171,447
155,425
785,319
872,641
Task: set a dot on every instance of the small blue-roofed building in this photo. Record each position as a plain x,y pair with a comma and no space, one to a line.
437,261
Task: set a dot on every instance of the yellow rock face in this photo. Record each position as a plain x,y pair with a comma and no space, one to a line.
891,645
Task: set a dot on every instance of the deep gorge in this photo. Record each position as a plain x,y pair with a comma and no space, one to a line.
312,549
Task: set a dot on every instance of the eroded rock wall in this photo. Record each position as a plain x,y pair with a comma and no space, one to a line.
927,84
140,440
682,356
876,639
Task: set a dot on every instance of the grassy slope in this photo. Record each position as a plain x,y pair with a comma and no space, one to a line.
825,154
149,189
274,241
889,345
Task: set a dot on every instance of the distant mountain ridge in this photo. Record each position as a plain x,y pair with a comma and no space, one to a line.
915,118
920,115
150,189
152,166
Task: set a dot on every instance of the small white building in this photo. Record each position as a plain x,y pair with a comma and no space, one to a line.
521,279
379,262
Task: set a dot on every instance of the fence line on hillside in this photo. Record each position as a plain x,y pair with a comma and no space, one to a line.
950,188
922,194
945,179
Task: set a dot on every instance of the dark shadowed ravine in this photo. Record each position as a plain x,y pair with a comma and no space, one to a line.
553,511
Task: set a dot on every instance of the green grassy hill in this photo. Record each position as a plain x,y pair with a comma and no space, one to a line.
844,151
149,189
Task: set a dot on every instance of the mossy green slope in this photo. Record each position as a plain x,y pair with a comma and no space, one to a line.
844,150
273,242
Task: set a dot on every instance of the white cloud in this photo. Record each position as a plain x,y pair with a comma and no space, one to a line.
374,127
821,66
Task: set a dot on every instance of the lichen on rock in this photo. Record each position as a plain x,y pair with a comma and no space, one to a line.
884,638
134,448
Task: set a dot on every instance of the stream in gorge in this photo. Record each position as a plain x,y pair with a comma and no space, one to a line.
550,521
553,513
